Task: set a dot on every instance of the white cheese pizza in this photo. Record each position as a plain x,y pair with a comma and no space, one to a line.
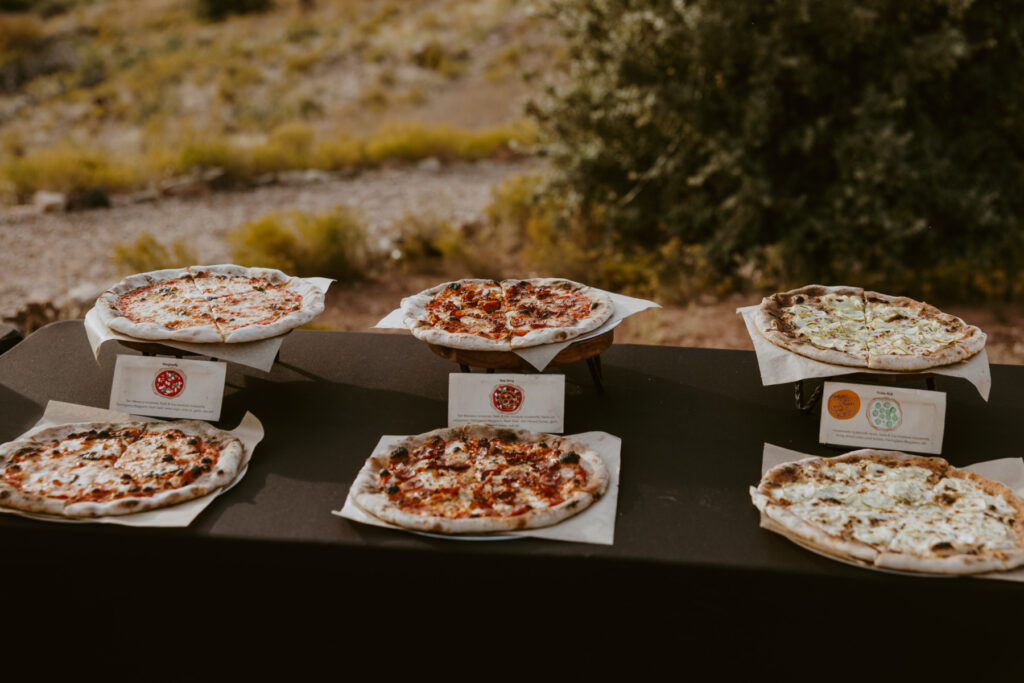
856,328
897,511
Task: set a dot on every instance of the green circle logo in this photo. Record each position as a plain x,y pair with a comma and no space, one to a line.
884,414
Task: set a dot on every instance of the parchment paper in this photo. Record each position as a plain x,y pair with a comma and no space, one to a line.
779,366
249,432
1009,471
258,354
596,524
540,356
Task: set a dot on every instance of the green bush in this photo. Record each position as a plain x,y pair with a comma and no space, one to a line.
845,141
334,244
146,254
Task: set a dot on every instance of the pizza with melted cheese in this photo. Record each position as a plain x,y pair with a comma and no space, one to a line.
209,304
897,511
488,315
100,469
479,478
852,327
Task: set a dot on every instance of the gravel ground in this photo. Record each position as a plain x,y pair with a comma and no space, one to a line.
43,257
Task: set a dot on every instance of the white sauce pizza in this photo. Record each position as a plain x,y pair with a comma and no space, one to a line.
487,315
97,469
896,511
852,327
478,479
209,304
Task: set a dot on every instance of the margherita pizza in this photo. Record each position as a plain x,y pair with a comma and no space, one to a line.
849,326
487,315
224,303
478,478
101,469
896,511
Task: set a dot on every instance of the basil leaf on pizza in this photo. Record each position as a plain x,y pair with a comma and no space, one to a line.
98,469
209,304
856,328
897,511
478,479
487,315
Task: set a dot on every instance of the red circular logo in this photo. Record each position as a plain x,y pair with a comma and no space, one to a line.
507,398
169,383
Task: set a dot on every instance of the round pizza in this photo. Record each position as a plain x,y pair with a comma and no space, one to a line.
478,479
897,511
98,469
209,304
852,327
487,315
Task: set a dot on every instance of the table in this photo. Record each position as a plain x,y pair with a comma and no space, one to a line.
689,561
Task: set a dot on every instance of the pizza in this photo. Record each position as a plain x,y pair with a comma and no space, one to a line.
478,479
856,328
896,511
209,304
487,315
96,469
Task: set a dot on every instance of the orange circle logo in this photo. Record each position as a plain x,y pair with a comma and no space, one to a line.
843,404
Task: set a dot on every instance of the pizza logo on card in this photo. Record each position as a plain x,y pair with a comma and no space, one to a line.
169,383
843,404
507,398
884,414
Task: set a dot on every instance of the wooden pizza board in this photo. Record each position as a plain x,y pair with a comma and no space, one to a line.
584,349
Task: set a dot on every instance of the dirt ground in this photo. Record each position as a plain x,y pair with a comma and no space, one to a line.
710,325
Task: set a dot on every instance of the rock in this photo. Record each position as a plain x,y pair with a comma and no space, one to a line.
93,198
48,202
431,164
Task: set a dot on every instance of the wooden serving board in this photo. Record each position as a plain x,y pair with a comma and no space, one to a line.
506,360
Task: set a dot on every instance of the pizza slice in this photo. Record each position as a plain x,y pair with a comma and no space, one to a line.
542,311
466,314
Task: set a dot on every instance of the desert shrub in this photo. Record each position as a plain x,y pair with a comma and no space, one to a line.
66,168
332,244
147,254
877,143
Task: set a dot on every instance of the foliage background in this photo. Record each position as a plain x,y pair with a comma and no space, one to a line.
770,144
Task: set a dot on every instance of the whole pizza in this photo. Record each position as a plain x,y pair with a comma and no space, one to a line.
209,304
897,511
98,469
852,327
487,315
478,479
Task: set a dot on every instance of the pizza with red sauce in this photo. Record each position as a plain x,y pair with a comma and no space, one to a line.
478,478
98,469
215,304
488,315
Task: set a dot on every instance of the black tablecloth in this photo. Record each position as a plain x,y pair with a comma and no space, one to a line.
689,559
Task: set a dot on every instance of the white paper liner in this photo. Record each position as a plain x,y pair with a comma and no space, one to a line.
249,432
1008,471
539,356
258,354
596,524
779,366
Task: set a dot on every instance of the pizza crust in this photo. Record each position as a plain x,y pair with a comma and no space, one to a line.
866,343
932,516
111,313
417,317
229,465
367,494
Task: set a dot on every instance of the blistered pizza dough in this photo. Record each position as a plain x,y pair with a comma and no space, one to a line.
99,469
894,510
850,327
487,315
209,304
479,479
